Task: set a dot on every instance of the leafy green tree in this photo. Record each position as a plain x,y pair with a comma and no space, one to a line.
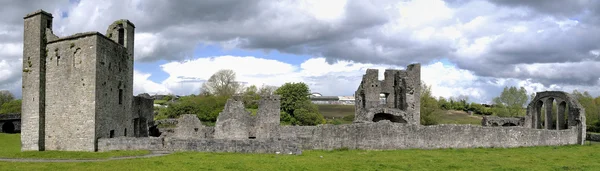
13,106
221,83
266,90
207,108
251,97
429,106
5,96
511,102
592,110
296,102
292,93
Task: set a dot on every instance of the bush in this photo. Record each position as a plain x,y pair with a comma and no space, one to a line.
595,127
13,106
287,119
306,117
207,108
348,118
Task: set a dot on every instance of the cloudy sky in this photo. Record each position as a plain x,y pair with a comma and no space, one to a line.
471,48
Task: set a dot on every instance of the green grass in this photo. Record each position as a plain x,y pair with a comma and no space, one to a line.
336,111
446,117
532,158
161,102
459,117
574,157
10,147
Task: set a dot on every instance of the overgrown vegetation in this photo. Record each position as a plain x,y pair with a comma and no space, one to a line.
8,103
295,101
592,109
296,108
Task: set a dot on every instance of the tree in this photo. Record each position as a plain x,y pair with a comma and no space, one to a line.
221,83
592,110
292,93
295,101
5,96
266,90
13,106
429,106
511,102
250,97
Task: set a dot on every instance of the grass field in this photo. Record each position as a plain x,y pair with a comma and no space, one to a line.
459,117
447,117
574,157
10,147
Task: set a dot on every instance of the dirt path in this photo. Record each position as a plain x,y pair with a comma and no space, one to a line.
152,154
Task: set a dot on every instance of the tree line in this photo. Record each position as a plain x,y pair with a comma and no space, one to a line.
8,103
296,107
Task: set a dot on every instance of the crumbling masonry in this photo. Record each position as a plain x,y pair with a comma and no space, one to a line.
77,96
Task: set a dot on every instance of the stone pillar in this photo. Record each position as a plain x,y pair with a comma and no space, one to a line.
538,115
34,74
548,122
560,116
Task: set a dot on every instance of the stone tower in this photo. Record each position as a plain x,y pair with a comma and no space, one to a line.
78,88
396,98
34,71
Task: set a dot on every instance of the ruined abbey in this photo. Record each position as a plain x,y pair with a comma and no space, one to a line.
77,96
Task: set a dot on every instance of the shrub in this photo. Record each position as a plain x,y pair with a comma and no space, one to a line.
13,106
348,118
306,117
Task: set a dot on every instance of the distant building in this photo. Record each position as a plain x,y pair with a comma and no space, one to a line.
315,94
339,100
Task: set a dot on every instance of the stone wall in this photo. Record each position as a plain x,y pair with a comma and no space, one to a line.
234,122
400,90
593,137
227,145
189,126
387,135
114,90
130,143
143,116
502,121
70,93
12,121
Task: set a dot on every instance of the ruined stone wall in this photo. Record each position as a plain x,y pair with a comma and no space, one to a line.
71,93
387,135
401,94
234,122
143,116
502,121
593,137
189,126
268,117
114,91
130,143
570,114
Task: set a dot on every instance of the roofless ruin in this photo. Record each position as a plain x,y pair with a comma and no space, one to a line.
77,96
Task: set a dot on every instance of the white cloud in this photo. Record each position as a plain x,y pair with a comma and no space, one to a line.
338,78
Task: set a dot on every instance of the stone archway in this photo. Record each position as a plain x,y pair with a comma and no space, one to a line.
8,127
509,124
386,116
